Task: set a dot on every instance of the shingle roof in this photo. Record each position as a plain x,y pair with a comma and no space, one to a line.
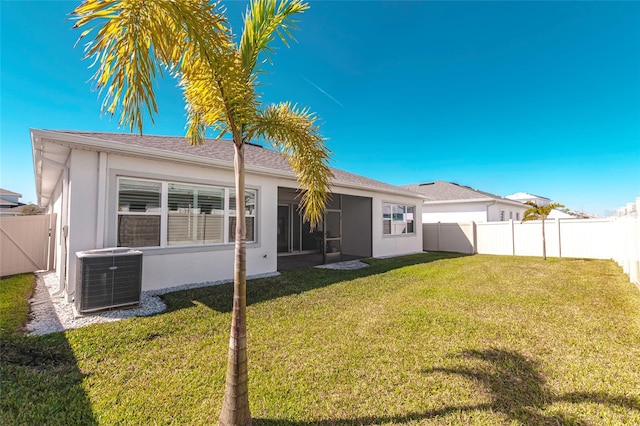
222,149
5,203
448,191
7,192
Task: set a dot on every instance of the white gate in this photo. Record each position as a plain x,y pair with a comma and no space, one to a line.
26,243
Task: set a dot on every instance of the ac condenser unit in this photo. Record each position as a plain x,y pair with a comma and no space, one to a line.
108,278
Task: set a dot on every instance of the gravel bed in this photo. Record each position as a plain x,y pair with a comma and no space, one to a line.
50,312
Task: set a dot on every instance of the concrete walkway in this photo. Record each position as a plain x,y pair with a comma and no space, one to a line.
349,265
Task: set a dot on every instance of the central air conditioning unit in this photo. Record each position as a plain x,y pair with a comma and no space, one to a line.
108,278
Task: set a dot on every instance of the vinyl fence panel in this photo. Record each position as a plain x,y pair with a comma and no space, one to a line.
616,238
494,238
588,238
450,237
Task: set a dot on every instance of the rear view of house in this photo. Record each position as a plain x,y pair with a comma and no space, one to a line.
176,204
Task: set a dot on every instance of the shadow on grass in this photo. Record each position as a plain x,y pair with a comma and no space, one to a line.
41,383
220,298
516,387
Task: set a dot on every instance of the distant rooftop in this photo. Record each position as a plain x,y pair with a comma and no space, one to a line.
448,191
524,196
7,192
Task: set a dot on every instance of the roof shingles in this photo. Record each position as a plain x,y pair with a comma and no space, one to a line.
447,191
222,149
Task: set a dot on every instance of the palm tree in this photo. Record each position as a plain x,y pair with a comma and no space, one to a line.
536,212
136,41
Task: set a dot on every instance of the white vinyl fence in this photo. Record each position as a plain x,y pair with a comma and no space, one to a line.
26,243
616,238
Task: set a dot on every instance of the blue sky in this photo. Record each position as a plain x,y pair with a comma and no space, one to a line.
539,97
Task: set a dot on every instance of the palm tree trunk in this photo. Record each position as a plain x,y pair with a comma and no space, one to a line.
235,407
544,242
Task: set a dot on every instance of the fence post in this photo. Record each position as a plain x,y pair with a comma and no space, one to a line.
474,231
634,222
629,262
438,236
513,238
559,238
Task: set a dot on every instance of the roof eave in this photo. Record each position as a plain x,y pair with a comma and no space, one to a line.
476,200
84,142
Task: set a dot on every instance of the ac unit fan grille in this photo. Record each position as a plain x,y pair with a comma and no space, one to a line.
108,281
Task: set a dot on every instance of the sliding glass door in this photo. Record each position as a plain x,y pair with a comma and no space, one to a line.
294,235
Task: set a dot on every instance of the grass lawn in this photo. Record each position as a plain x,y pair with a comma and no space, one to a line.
425,339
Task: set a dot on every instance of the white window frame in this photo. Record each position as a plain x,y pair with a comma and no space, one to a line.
158,212
197,188
164,212
392,219
246,214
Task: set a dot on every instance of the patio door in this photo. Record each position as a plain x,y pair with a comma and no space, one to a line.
284,228
332,236
294,235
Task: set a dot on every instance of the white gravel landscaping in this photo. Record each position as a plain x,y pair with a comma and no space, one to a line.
50,312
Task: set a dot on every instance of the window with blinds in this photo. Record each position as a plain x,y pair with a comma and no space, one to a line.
139,213
196,215
193,214
249,212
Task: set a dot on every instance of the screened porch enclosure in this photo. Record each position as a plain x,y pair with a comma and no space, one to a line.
344,234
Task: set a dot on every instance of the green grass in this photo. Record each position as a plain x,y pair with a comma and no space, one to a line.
14,293
425,339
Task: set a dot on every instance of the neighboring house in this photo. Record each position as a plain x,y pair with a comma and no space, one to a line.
561,214
450,202
9,199
523,197
24,209
176,203
6,210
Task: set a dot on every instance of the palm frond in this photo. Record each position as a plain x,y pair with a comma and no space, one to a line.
536,212
296,135
218,95
262,22
137,39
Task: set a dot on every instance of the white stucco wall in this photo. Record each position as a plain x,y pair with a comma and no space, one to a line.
55,206
167,267
479,212
510,211
395,245
454,212
82,211
92,219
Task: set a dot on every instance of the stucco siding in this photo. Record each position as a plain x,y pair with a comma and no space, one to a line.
166,267
55,206
454,212
395,245
93,219
83,190
511,212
